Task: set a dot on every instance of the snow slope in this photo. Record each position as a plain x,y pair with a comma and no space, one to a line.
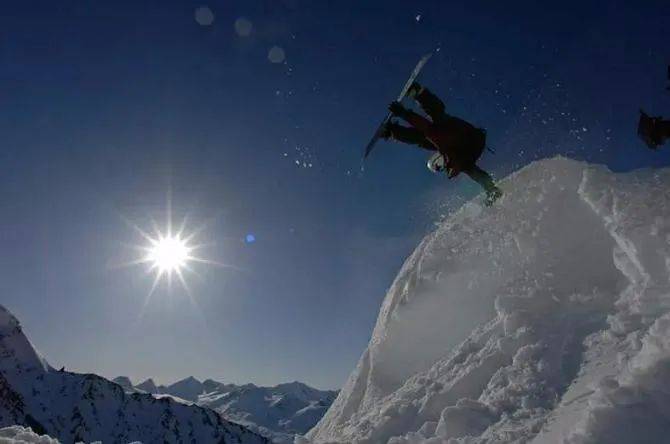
74,407
540,319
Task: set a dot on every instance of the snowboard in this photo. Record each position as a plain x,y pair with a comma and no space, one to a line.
417,69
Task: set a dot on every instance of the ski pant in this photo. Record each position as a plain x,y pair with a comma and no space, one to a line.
433,107
483,178
411,136
431,104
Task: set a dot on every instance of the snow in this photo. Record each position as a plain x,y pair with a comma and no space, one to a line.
540,319
23,435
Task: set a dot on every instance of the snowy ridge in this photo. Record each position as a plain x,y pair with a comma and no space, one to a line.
277,412
74,407
541,319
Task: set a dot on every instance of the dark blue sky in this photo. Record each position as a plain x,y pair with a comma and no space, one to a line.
106,106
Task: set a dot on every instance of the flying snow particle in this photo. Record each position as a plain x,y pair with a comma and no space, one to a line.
276,54
250,238
204,16
243,27
418,17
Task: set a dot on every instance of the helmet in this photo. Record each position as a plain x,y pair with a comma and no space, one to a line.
437,163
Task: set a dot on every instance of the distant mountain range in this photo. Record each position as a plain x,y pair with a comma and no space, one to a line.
277,412
84,407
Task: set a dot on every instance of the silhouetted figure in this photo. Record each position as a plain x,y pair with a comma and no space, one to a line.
457,144
655,131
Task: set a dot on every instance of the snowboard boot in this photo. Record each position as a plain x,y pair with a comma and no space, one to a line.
414,90
492,195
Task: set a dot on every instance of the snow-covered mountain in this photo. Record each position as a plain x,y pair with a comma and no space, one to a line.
74,407
543,319
277,412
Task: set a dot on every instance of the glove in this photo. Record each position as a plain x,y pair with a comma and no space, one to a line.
397,109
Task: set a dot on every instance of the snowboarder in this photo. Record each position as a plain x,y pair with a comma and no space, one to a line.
654,131
457,144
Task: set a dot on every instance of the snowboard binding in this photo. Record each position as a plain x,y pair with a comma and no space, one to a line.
492,196
414,90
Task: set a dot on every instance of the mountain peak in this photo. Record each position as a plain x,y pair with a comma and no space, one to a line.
188,388
188,380
123,381
18,354
148,386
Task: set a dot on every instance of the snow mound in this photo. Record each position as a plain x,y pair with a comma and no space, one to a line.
23,435
540,319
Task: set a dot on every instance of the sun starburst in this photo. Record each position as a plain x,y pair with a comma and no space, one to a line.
171,252
168,253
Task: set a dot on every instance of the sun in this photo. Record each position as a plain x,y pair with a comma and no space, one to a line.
168,254
172,252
